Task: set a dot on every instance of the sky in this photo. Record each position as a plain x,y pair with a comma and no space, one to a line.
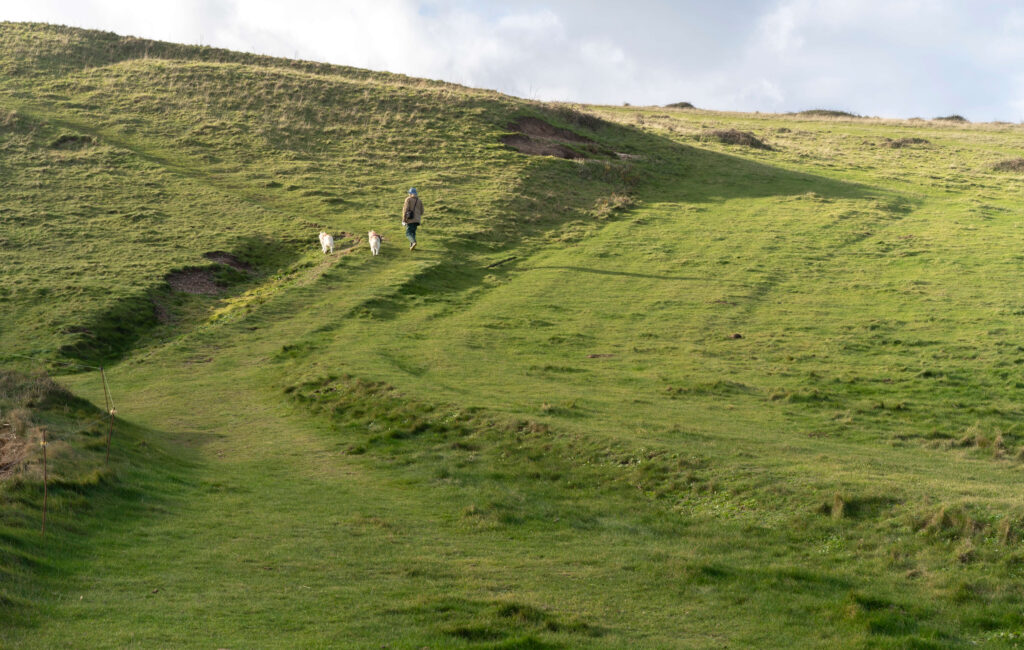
888,58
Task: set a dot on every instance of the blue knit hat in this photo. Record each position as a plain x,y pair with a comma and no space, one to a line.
412,190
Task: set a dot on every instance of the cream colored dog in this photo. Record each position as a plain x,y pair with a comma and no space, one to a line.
326,242
374,237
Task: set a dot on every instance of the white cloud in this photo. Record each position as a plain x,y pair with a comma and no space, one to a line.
778,30
602,53
907,57
541,22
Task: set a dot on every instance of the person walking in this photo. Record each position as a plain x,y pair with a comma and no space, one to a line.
412,216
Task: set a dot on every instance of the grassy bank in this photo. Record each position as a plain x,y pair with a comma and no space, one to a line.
669,391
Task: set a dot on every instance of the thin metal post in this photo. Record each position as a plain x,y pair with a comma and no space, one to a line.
110,414
45,477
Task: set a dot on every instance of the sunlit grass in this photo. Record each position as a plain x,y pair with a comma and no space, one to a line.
683,394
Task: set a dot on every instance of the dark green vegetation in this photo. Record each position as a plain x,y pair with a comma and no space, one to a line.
653,390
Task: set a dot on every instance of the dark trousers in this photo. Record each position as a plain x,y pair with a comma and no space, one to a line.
410,232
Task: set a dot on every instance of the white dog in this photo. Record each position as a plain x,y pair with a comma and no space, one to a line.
326,242
374,238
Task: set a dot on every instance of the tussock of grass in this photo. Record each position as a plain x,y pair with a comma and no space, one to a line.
72,141
732,136
1010,165
607,206
576,116
900,143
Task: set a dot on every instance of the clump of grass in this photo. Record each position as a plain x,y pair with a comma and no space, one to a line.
974,437
18,420
1009,165
1007,532
72,141
576,117
904,142
37,390
952,118
838,506
680,105
606,206
999,448
966,552
734,136
951,522
8,118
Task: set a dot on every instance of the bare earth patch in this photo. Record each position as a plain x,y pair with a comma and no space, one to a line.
540,129
530,146
538,138
222,257
195,281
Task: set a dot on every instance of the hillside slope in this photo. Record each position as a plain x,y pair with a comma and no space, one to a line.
663,391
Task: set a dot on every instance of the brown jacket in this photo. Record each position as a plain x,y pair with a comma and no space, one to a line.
412,202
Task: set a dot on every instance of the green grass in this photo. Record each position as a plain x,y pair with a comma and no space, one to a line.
692,394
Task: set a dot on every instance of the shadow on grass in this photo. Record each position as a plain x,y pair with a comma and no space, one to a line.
627,274
110,335
557,193
145,478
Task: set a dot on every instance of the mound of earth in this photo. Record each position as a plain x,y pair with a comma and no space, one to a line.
532,126
680,105
903,142
73,141
732,136
821,112
195,281
570,115
1010,165
538,138
528,145
222,257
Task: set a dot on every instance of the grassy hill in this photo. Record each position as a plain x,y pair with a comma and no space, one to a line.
641,386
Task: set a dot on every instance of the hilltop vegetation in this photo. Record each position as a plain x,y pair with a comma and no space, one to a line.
642,385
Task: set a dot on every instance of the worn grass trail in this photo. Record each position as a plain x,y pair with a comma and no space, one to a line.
278,534
677,393
275,536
